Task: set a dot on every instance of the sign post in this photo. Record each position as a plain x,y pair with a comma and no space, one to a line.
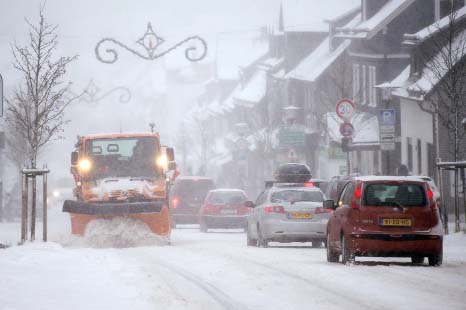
387,121
345,110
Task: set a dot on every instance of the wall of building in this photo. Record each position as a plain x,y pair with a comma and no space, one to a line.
415,125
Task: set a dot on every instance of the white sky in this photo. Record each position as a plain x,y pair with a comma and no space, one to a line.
82,23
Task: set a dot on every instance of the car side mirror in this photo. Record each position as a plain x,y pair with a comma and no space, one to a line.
172,166
329,204
170,152
74,158
249,204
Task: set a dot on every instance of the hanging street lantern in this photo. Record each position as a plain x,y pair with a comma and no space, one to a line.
151,43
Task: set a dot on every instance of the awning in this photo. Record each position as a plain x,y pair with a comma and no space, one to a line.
366,129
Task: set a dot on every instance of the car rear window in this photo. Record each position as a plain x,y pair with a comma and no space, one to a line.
410,195
193,187
297,195
227,197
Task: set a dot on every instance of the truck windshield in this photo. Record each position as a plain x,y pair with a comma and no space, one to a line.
123,157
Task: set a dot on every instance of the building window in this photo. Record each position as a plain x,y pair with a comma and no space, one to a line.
356,87
372,84
364,86
419,157
409,149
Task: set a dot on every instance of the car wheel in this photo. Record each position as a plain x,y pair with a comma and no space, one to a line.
436,260
203,226
250,240
261,242
417,259
332,257
347,256
316,244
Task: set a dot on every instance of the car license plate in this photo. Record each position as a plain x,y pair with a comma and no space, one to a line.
395,222
301,215
228,211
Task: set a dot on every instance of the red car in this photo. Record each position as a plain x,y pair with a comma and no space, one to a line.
387,217
223,208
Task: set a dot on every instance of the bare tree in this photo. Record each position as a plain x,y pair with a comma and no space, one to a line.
37,106
442,83
444,73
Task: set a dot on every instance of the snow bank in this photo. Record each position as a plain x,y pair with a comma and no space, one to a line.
119,232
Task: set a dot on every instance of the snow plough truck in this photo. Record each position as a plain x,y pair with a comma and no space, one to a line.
121,175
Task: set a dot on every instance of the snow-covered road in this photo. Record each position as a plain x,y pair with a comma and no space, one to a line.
217,271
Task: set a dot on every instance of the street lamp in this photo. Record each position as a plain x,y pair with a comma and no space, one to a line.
151,43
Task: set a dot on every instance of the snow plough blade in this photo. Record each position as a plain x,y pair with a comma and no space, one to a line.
154,214
109,208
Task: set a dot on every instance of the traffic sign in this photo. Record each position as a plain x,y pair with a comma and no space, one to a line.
387,117
345,109
291,136
346,129
387,122
387,141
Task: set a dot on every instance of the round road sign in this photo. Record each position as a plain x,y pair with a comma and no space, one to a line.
345,109
346,129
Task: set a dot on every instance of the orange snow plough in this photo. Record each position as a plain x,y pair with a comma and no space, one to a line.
123,174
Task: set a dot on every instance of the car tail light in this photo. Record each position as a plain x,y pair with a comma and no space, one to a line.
211,209
430,195
320,210
274,209
356,202
175,202
309,184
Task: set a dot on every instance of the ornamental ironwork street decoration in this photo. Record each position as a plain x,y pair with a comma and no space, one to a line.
92,94
151,42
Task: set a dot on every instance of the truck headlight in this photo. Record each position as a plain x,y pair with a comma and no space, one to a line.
162,161
84,165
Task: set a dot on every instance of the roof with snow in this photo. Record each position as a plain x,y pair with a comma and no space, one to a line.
311,16
431,30
316,63
254,90
368,28
434,71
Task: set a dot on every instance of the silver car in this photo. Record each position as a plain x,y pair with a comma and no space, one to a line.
288,213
